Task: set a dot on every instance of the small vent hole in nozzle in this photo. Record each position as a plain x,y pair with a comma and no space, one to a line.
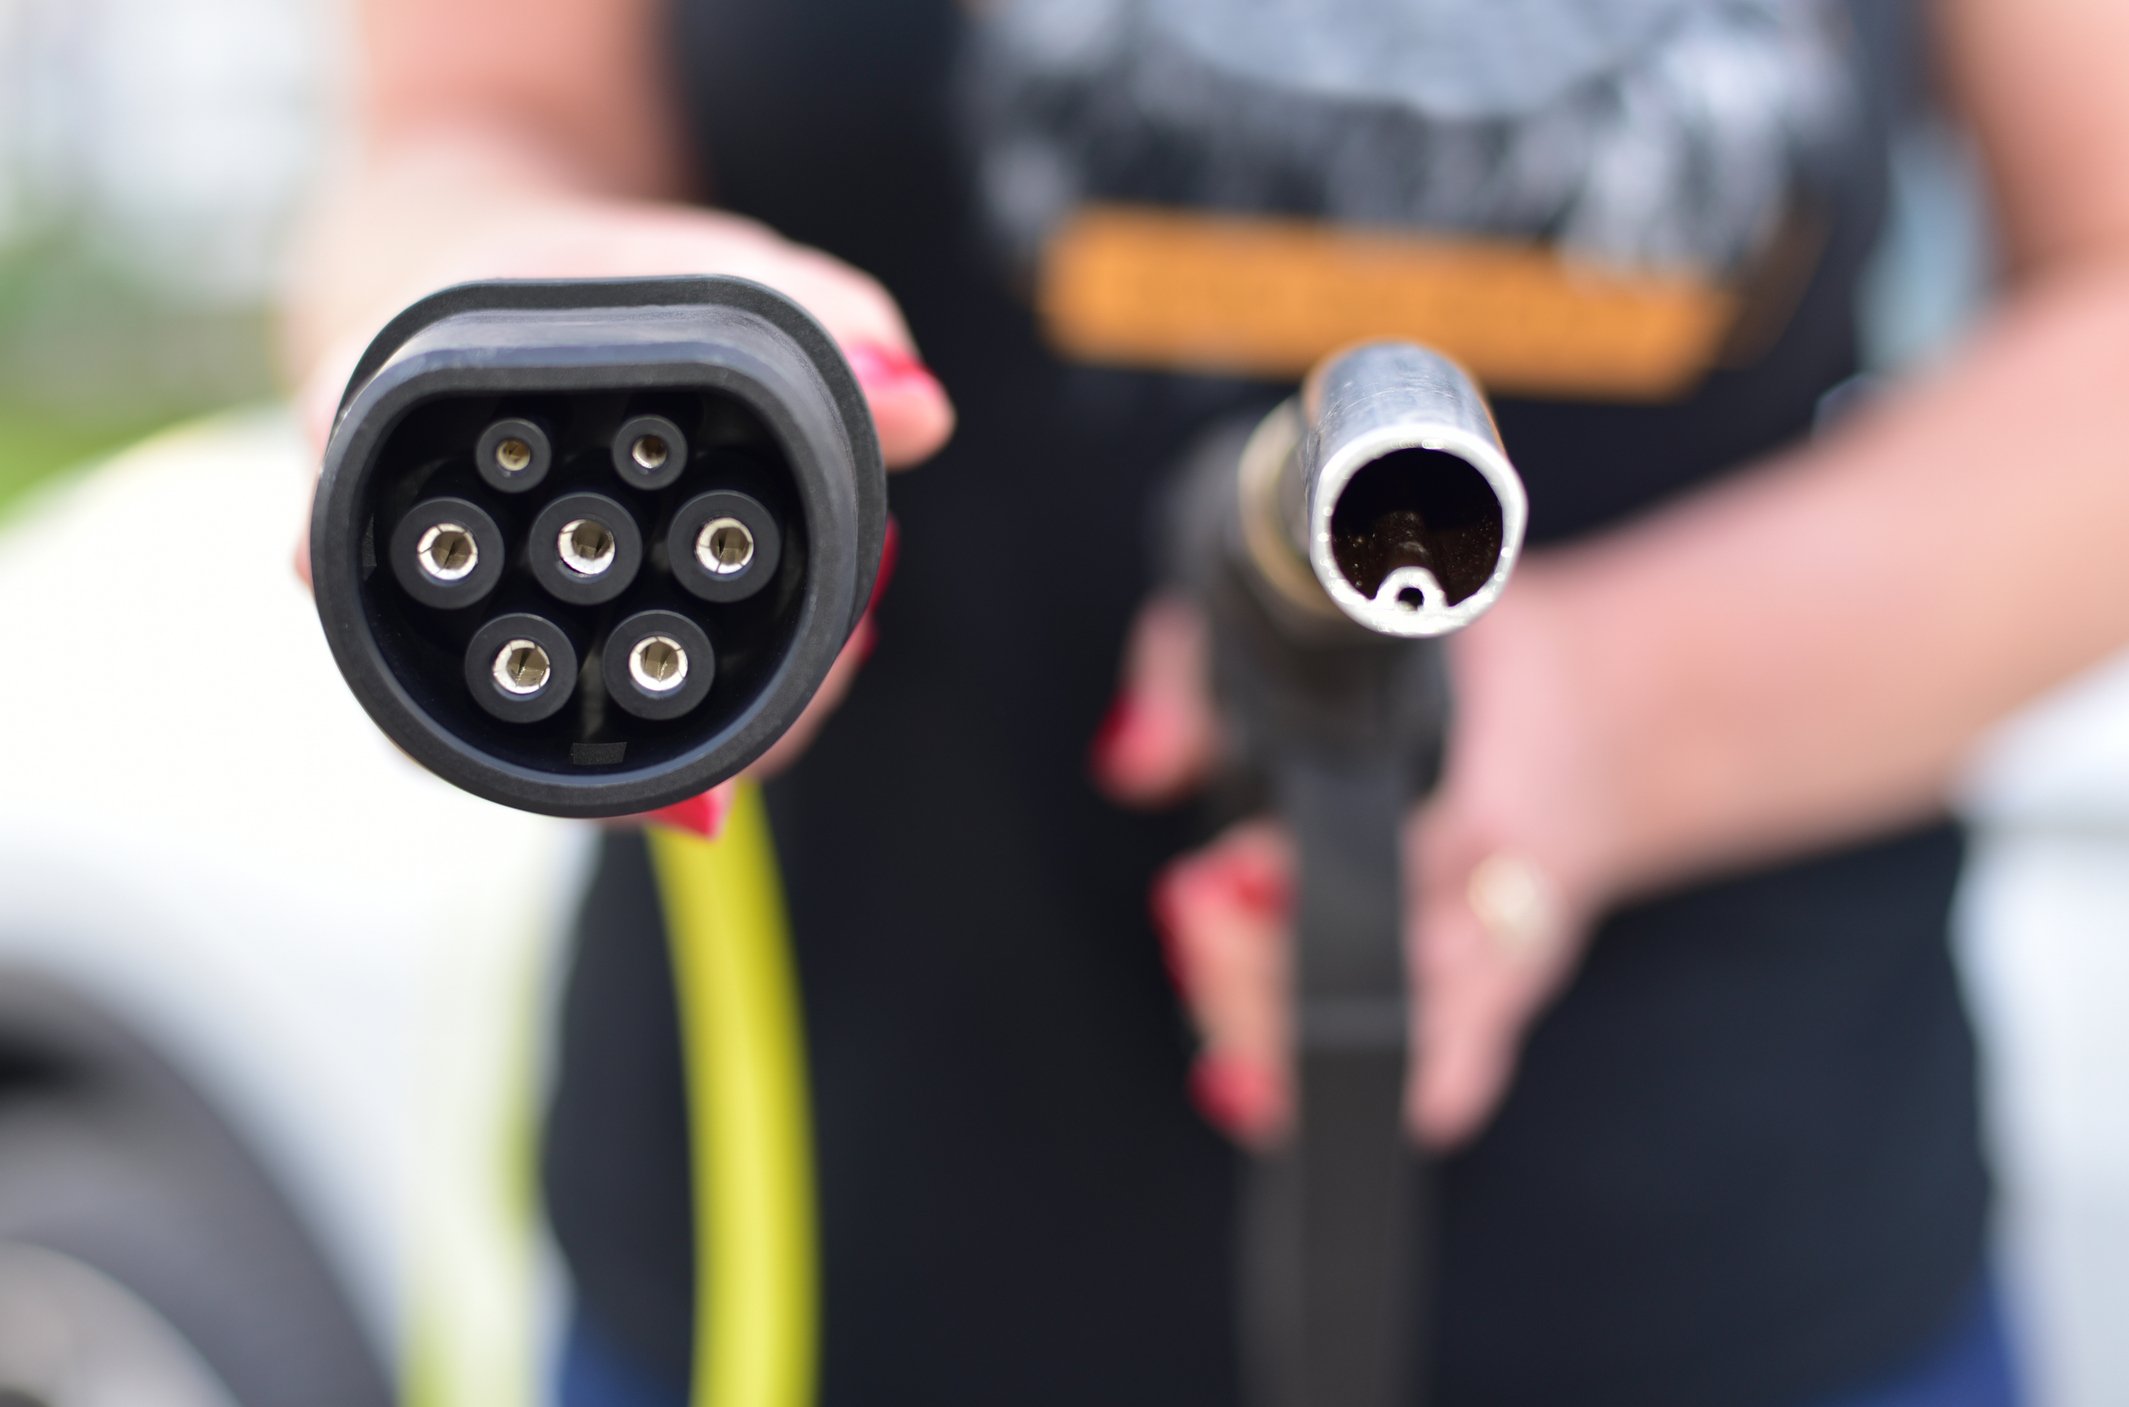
1417,508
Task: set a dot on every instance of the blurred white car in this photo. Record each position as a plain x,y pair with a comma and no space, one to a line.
270,996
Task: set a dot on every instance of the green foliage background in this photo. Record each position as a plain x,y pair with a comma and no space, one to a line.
92,357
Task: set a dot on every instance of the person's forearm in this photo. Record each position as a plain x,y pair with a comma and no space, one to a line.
1809,653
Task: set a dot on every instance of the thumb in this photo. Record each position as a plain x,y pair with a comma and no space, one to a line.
318,397
1471,1007
909,406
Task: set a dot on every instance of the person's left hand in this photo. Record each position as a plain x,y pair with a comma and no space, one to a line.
1508,863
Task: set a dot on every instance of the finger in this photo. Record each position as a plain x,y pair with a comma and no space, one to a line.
317,405
909,406
1466,1063
300,560
1473,1001
842,674
1223,916
835,687
1161,736
318,400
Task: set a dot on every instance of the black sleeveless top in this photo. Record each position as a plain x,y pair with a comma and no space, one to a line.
1741,1164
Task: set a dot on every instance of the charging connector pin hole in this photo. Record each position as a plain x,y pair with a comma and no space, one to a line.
724,547
447,552
658,664
522,668
586,546
650,452
513,456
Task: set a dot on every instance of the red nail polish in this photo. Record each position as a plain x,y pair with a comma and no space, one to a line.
881,368
698,815
1166,924
1102,752
1257,887
890,553
1235,1096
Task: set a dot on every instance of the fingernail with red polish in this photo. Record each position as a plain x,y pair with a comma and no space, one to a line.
1167,923
1102,754
890,553
1133,742
1256,886
1236,1097
698,815
881,368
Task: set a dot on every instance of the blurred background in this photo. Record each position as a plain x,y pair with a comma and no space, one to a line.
230,1048
359,1036
152,157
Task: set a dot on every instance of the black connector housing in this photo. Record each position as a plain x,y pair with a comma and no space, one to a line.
587,548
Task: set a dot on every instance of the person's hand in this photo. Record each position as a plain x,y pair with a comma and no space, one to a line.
533,233
1508,863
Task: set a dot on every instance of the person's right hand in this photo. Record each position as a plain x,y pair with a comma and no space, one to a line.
528,233
1535,830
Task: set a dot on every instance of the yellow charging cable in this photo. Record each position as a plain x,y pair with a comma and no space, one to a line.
749,1117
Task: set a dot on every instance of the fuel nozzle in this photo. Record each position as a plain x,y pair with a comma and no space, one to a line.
1329,549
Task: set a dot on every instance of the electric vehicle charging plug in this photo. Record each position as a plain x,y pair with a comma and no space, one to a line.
588,548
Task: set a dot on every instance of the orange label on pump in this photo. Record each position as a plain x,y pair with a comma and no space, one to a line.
1191,291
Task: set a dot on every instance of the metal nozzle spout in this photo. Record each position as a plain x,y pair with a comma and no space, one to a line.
1384,488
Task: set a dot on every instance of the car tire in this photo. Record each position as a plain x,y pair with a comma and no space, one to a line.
154,1243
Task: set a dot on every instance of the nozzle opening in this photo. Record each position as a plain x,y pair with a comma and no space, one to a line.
1420,509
